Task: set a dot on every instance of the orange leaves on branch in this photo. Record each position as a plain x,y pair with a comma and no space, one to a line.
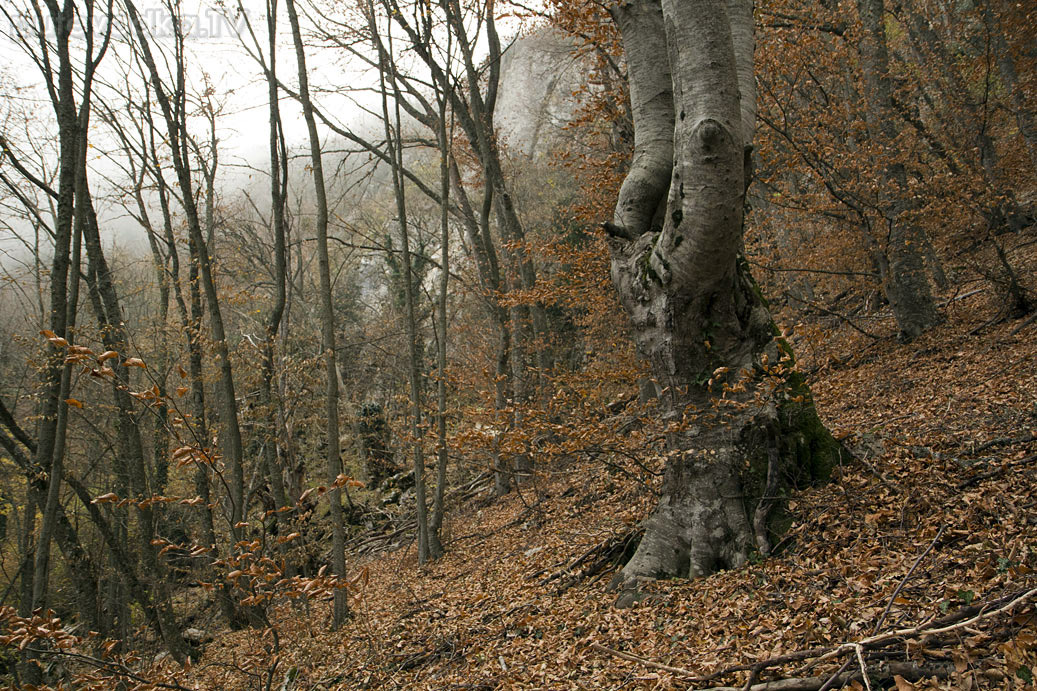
54,339
191,454
344,480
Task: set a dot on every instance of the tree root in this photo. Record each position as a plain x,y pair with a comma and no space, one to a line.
594,560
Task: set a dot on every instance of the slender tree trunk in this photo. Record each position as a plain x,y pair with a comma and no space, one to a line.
174,113
394,142
191,323
278,192
131,446
334,458
56,374
1024,117
51,507
478,232
442,450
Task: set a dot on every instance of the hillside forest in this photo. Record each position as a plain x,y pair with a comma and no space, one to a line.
494,344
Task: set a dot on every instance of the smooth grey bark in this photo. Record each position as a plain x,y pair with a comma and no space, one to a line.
340,608
750,427
642,198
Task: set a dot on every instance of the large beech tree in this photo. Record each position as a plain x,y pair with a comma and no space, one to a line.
744,428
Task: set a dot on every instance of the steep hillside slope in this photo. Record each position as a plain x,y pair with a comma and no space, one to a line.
934,522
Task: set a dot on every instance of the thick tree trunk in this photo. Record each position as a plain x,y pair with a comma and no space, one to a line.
748,429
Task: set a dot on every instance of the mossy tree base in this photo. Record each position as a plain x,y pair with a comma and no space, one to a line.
726,486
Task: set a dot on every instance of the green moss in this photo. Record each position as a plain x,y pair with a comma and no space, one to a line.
743,268
647,273
809,454
817,452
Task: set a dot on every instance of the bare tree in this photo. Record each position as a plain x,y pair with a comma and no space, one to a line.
173,105
334,459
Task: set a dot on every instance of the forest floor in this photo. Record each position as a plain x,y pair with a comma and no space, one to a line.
936,517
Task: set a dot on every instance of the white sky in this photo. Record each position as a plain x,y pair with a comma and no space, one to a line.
214,53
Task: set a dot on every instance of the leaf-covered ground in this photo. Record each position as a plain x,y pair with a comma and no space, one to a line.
945,478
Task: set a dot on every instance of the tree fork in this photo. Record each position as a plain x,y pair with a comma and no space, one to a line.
747,428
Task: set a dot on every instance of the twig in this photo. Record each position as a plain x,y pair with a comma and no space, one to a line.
1029,320
976,479
835,678
834,314
962,296
1006,441
904,580
644,661
963,618
864,667
782,269
113,667
929,629
878,422
883,672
